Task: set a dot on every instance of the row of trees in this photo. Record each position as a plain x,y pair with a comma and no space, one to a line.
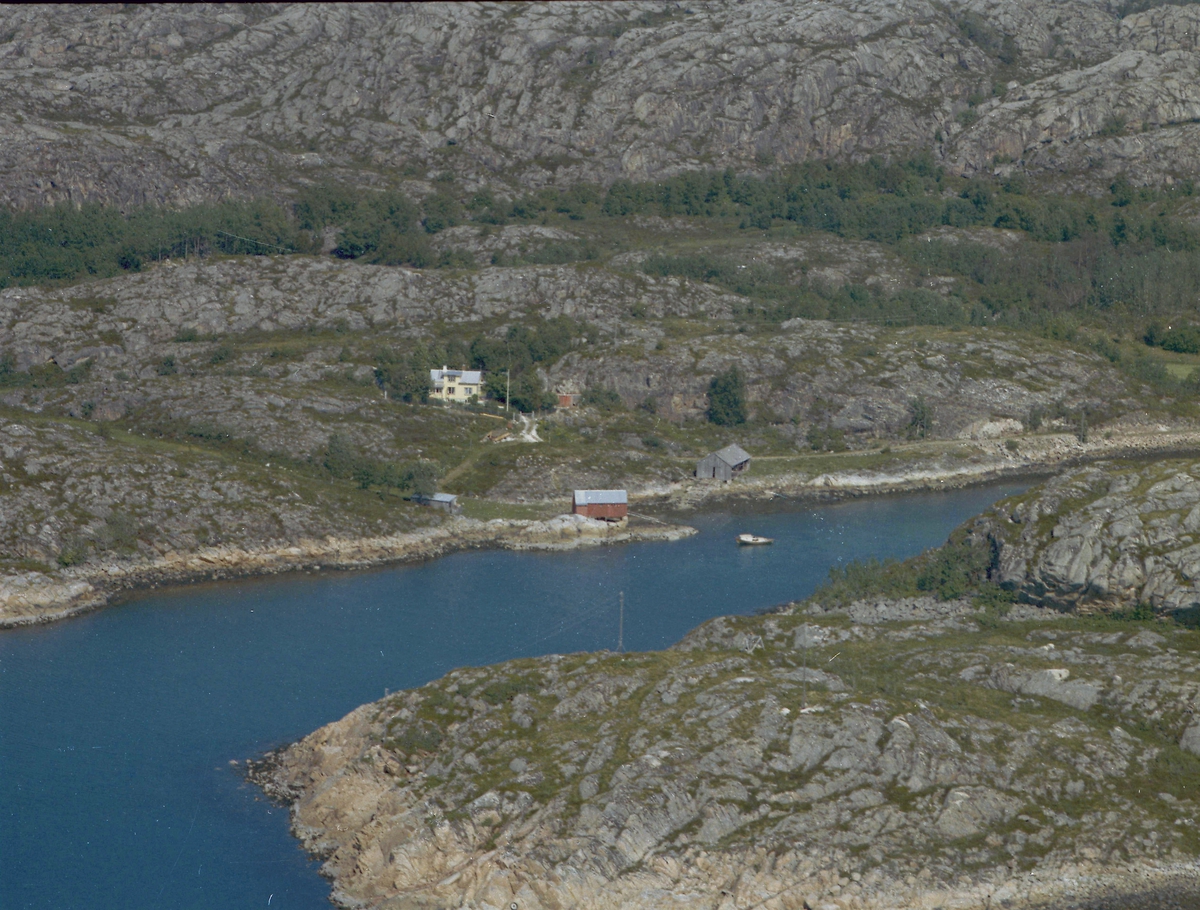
67,243
1127,253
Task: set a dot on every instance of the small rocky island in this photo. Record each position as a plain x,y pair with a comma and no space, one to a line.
1007,721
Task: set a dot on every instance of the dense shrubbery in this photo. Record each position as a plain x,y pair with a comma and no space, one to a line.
405,378
118,536
40,376
1091,257
66,243
343,460
774,297
605,400
727,398
518,353
957,569
826,439
1183,339
509,363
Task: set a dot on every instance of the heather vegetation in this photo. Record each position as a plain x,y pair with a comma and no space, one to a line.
1083,260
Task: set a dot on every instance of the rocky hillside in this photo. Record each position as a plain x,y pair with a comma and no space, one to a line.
238,402
136,104
1108,535
907,753
297,323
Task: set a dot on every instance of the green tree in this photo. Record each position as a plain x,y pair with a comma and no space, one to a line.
528,395
421,478
920,418
727,398
404,378
340,457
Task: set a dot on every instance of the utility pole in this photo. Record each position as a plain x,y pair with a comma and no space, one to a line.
621,626
507,388
804,704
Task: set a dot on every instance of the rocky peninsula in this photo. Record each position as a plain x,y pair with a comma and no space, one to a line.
976,727
36,597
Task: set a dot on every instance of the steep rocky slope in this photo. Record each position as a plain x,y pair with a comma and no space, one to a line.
179,104
1105,535
939,757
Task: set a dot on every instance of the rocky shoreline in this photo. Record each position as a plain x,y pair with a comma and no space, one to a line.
948,763
1038,456
33,597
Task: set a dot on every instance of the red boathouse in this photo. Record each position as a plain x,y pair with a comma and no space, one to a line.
610,505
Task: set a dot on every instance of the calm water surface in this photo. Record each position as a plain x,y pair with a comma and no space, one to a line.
117,728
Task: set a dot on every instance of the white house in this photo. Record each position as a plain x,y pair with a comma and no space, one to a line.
455,385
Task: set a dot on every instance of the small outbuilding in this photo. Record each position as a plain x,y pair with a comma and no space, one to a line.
447,502
609,505
724,464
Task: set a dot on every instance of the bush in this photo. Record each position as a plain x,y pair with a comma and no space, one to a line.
1033,420
825,439
960,567
727,398
421,736
341,457
343,460
920,418
166,366
404,378
1182,340
74,550
119,534
501,691
1140,612
602,399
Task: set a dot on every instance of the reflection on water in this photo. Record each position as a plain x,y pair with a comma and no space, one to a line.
117,729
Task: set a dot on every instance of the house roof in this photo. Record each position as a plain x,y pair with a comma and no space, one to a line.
733,455
600,497
470,377
436,497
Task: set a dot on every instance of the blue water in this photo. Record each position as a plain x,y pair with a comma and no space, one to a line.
117,728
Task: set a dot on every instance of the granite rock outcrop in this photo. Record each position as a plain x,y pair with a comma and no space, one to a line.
178,105
938,758
1108,536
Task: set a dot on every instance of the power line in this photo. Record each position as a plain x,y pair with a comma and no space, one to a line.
252,240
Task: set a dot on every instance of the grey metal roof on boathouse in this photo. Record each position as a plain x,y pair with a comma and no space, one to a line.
600,497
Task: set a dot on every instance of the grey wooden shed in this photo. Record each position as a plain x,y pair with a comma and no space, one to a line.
447,502
724,464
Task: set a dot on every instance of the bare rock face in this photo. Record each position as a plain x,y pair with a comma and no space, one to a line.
1105,535
181,104
942,764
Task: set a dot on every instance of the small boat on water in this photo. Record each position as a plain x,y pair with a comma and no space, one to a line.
749,540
